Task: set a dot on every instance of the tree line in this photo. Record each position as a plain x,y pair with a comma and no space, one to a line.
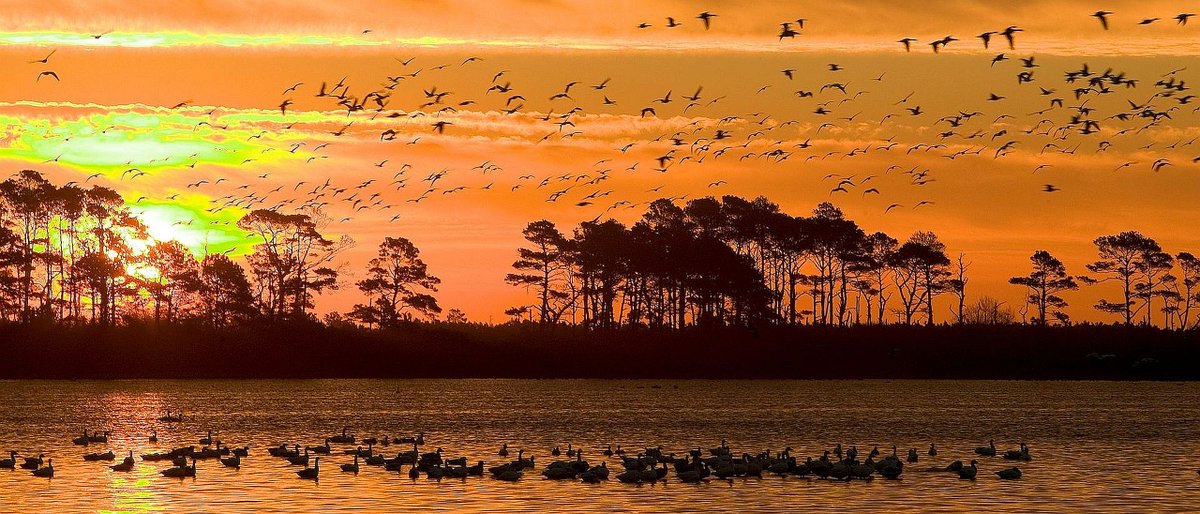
76,255
738,262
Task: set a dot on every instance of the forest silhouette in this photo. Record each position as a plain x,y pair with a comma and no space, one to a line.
717,287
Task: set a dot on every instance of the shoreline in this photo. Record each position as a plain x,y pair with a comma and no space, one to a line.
459,351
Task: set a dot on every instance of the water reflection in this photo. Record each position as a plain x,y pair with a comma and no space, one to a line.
1096,446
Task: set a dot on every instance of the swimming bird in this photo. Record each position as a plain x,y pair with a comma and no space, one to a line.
32,462
311,473
45,472
969,472
1012,473
232,462
180,471
343,438
10,462
987,451
351,468
125,465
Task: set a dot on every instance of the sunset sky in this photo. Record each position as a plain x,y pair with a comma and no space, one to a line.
190,91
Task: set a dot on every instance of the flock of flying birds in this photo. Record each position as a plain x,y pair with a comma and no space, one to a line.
1073,122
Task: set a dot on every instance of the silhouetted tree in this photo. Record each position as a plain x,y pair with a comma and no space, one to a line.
456,317
1155,269
292,263
398,283
875,267
920,267
1121,260
1043,284
1188,295
25,197
958,286
987,311
175,275
224,290
545,267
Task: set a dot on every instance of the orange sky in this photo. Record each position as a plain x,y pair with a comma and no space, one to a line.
112,106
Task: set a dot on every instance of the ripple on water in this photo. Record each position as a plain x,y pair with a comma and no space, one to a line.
1098,446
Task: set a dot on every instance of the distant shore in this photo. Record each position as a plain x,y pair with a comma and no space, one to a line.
439,350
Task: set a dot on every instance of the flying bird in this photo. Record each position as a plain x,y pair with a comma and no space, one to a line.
46,59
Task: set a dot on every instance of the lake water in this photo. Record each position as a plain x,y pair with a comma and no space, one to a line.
1097,446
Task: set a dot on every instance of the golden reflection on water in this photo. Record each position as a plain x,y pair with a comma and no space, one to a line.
1071,427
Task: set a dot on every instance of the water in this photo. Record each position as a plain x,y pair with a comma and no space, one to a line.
1097,446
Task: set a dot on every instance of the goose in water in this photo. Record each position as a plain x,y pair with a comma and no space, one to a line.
311,473
555,452
344,438
435,472
476,470
1012,473
180,471
232,462
351,468
323,449
1019,454
987,451
46,472
10,462
32,462
419,439
968,472
608,452
414,473
207,440
98,438
108,455
932,450
912,455
82,440
299,460
503,450
125,465
509,475
864,470
154,436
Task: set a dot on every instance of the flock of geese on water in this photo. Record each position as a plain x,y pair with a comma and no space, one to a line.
647,465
